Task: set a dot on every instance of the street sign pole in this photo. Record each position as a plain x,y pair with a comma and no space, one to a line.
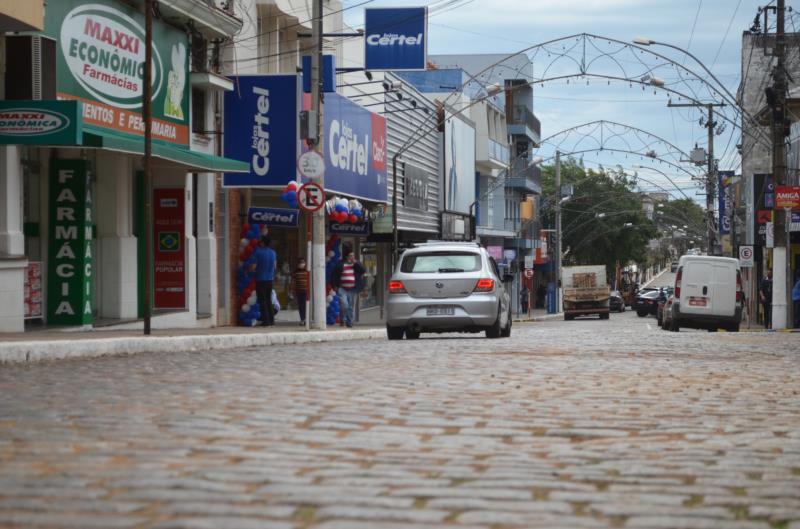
318,220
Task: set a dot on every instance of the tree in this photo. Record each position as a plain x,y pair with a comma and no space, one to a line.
603,222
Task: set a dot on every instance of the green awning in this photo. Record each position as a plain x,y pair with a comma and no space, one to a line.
185,158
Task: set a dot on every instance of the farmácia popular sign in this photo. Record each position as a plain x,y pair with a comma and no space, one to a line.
100,61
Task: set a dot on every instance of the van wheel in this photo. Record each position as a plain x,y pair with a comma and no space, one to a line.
733,328
394,333
412,335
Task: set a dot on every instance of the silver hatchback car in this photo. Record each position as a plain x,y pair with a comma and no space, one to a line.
448,287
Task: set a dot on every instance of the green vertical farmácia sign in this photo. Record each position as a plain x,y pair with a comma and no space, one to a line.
69,271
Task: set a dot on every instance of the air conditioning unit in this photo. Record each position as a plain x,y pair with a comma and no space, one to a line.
30,67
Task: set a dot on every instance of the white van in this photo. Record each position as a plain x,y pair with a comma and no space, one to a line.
708,294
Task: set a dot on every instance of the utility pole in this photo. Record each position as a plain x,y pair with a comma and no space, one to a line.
147,115
780,253
558,231
711,172
316,138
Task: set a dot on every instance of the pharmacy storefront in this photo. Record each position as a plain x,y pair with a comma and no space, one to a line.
72,176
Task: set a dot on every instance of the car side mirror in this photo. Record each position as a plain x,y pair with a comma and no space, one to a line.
508,278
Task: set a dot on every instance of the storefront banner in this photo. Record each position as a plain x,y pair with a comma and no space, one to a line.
725,202
787,197
69,269
101,63
169,255
261,124
795,224
286,218
355,150
40,122
764,200
396,38
359,229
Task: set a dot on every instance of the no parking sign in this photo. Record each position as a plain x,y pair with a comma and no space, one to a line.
746,256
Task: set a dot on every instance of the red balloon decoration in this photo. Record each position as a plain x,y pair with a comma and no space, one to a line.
353,219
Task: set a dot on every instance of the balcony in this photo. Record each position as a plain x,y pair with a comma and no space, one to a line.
498,151
523,122
526,179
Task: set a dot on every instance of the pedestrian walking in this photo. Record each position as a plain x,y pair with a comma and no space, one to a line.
765,296
796,300
300,288
347,280
266,263
524,299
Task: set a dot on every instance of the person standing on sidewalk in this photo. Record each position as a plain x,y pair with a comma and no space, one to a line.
348,280
796,300
765,296
266,263
300,288
524,298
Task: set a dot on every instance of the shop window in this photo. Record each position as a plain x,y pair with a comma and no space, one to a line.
198,111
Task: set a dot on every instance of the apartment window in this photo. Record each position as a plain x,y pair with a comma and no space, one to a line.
198,111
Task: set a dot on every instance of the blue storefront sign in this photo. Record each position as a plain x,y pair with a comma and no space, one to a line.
287,218
725,201
328,73
359,229
261,122
355,150
396,38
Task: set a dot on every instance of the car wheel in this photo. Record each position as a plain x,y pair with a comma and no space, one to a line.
507,331
495,330
641,313
411,335
673,325
568,317
394,333
734,327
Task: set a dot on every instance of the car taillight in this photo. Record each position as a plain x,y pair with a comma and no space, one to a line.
739,293
678,283
484,285
397,287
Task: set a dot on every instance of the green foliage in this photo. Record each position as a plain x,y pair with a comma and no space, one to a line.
603,222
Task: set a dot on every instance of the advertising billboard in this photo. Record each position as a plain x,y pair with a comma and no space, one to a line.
281,217
354,150
459,163
261,122
396,38
101,63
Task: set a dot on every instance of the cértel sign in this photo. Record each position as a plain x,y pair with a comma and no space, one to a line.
396,38
787,197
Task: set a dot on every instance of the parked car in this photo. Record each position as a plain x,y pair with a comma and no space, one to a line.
665,313
448,287
615,302
663,302
646,303
708,294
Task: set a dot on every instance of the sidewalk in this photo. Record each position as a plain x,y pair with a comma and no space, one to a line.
55,344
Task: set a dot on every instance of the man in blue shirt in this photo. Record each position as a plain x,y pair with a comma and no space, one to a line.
266,262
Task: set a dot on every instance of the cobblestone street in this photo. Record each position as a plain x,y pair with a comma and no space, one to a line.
566,424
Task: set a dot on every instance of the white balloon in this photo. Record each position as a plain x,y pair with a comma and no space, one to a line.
252,323
245,307
331,254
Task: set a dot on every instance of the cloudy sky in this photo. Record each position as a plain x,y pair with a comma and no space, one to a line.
709,29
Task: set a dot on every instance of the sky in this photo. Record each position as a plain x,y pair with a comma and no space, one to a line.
710,29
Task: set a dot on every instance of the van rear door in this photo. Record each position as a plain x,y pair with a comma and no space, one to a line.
696,288
723,289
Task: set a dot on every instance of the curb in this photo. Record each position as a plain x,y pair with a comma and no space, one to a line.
547,317
42,351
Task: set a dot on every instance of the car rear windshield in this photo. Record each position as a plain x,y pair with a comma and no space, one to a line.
442,262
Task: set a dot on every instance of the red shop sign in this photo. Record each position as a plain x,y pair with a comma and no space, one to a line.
787,197
169,254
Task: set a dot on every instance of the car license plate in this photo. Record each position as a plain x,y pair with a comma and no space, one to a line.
697,302
441,311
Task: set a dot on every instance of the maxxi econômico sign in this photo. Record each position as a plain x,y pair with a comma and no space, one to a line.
396,38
